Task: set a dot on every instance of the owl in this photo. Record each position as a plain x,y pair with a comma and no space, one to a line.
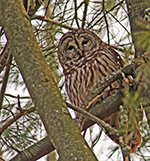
86,60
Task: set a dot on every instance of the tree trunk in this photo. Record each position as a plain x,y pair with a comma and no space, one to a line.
136,10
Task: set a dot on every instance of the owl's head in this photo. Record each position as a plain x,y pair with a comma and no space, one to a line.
77,45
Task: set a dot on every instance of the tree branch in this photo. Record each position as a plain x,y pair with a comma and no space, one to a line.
35,151
3,128
3,57
5,79
113,133
76,13
53,22
103,84
24,97
31,10
86,2
107,11
105,18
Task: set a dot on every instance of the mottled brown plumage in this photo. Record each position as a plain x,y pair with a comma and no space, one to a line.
86,60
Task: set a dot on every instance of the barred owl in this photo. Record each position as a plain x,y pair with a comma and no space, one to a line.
86,60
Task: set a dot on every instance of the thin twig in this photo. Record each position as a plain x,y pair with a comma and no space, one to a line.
44,14
2,129
5,79
120,24
105,18
1,31
24,97
18,98
76,15
3,57
98,13
86,2
31,10
53,22
106,11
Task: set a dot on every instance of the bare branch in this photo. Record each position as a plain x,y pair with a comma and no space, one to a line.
24,97
106,11
30,9
120,23
53,22
36,151
76,15
3,57
5,79
2,129
105,18
86,2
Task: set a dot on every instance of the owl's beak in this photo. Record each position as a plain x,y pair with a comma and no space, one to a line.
80,52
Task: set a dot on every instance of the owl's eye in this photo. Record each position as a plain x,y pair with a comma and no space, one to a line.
71,47
85,42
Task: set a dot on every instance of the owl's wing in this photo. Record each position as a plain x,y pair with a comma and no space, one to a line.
117,57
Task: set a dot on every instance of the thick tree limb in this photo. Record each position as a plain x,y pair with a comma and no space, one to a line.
136,12
104,83
36,151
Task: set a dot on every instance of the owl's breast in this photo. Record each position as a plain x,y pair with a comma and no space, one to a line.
81,80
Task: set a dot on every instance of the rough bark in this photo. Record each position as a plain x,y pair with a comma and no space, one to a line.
136,13
61,129
136,10
36,151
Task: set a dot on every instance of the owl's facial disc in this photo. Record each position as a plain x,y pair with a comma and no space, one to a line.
79,47
86,43
72,50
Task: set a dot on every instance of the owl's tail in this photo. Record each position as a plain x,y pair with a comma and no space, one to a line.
135,140
134,137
